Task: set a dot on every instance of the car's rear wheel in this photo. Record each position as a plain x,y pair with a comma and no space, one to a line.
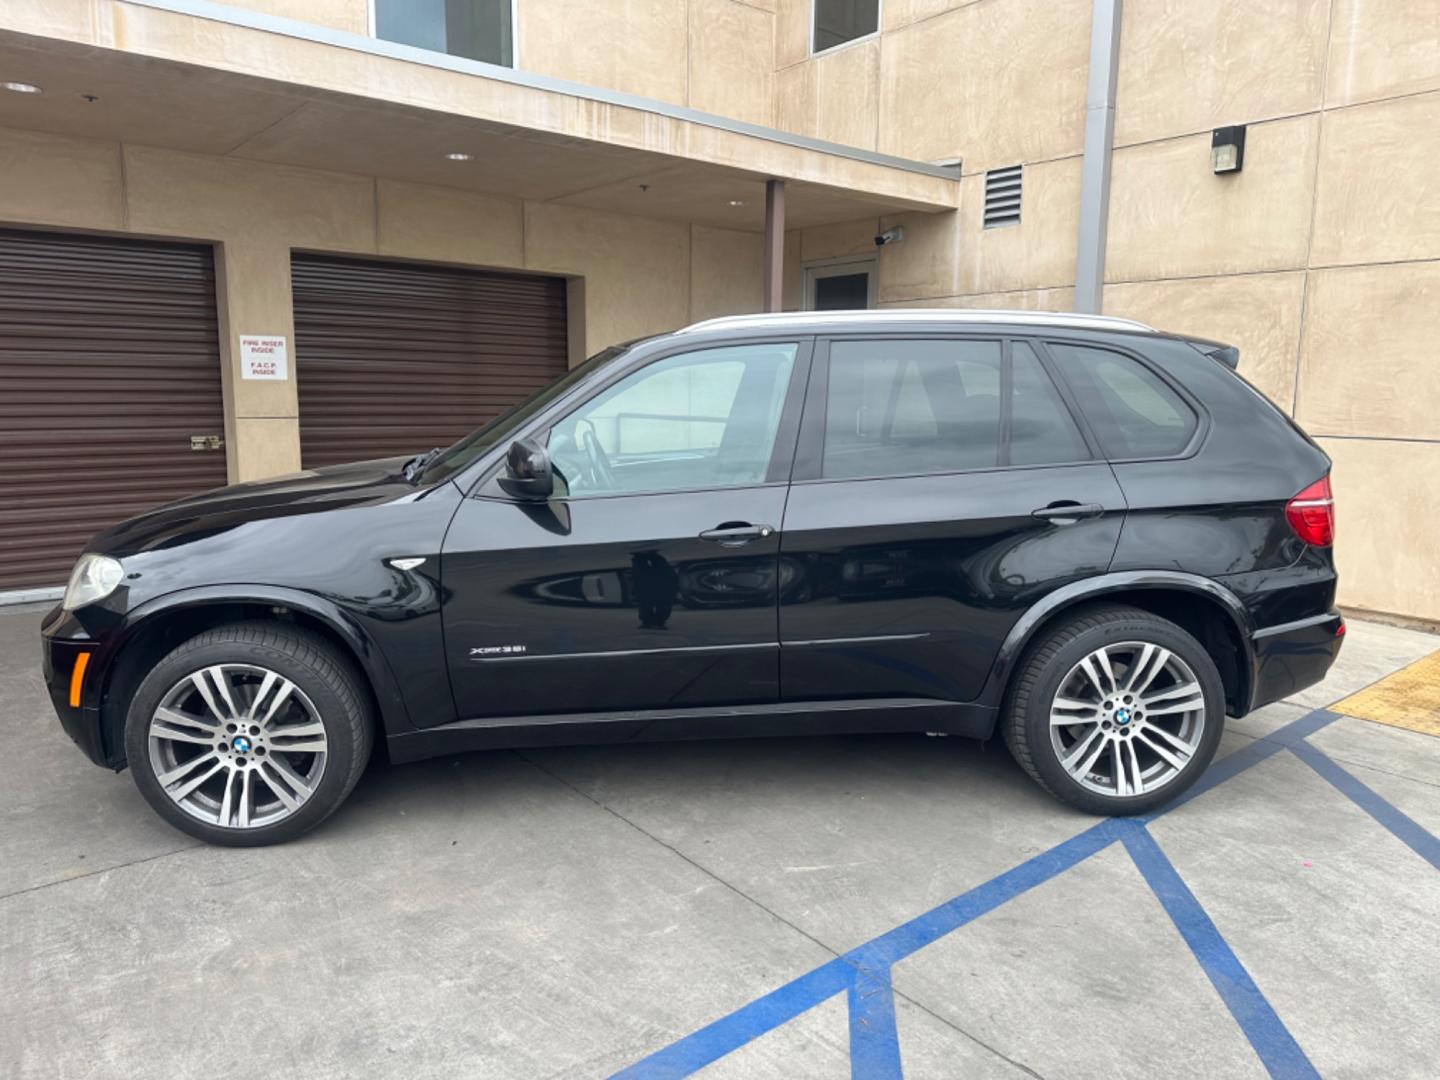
1116,712
248,734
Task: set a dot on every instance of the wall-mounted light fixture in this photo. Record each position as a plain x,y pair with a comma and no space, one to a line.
1227,148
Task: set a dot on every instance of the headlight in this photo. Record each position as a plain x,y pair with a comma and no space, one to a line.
94,578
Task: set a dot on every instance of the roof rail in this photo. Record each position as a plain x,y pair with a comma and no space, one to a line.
920,316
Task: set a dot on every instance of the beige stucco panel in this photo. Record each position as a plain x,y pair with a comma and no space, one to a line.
261,448
1368,365
636,270
74,20
349,15
1386,495
1257,313
420,221
180,194
1377,198
992,83
1020,300
792,32
847,94
1171,216
897,13
1037,253
1188,66
51,180
732,56
795,99
634,46
726,272
834,96
926,262
840,239
793,287
1381,48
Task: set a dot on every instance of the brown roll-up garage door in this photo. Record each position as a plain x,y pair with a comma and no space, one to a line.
394,358
109,362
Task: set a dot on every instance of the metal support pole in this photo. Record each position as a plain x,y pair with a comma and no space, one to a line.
774,243
1095,170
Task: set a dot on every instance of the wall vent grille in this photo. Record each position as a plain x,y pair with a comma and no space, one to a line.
1002,197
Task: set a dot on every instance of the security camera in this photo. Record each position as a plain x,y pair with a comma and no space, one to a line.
890,236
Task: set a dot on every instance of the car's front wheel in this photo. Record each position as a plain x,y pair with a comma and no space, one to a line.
248,734
1116,712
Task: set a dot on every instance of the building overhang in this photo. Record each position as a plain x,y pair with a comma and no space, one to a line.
203,77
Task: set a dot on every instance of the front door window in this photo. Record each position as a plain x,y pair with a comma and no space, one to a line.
699,420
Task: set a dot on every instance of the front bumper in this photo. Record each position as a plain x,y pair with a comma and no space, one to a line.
75,694
1294,655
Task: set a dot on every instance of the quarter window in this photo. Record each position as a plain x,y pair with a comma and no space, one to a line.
699,420
838,21
1131,410
475,29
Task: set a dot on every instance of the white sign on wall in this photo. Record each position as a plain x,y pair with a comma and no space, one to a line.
263,356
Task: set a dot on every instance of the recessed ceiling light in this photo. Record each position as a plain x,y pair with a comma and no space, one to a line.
737,202
21,87
457,156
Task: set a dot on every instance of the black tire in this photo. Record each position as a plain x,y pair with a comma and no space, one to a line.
316,667
1026,720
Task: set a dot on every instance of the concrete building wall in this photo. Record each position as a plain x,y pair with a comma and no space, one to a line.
631,276
1320,259
712,55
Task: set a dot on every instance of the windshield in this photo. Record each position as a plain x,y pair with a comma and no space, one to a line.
461,455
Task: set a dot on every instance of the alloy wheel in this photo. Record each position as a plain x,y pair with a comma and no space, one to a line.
237,745
1127,719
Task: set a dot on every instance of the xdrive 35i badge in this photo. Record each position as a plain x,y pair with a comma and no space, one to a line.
479,651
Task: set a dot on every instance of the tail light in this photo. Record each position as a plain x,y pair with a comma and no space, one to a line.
1311,514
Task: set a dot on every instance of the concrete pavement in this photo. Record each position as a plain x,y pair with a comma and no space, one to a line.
566,913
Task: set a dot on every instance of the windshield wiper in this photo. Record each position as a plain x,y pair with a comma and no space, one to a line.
415,467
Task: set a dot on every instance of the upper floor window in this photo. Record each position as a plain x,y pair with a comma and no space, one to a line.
837,21
475,29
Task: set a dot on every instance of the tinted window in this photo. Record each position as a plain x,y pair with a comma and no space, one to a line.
839,21
1042,431
898,408
1133,413
698,420
477,29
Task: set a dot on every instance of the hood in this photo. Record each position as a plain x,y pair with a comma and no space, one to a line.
213,512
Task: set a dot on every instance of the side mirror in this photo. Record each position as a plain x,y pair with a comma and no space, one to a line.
527,474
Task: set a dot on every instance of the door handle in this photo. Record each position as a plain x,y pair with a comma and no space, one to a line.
736,533
1067,511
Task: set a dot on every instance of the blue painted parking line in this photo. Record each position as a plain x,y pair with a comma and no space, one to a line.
1404,828
1272,1041
874,1042
864,974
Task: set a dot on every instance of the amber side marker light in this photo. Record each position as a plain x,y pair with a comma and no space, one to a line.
77,678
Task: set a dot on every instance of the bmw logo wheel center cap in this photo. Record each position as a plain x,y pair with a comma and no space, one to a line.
242,745
1123,716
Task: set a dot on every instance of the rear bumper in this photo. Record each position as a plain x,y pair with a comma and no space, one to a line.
1293,655
74,697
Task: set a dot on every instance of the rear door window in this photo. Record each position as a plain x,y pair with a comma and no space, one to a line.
1130,409
918,406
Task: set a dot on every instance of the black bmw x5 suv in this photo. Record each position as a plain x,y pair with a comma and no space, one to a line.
1092,536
